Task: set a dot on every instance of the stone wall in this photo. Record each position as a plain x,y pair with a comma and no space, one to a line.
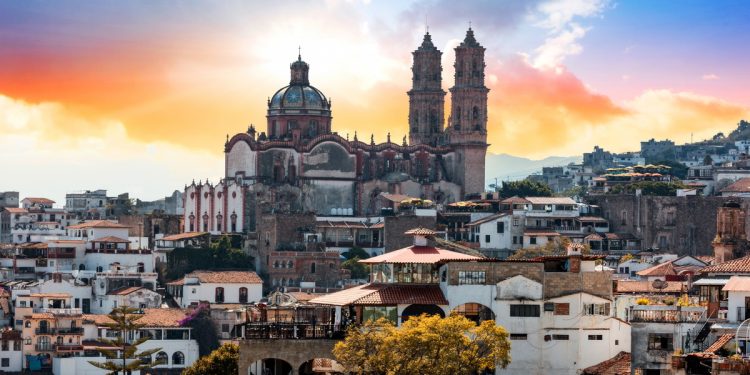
294,352
683,225
395,226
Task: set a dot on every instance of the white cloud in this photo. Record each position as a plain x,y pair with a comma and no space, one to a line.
47,150
559,18
710,77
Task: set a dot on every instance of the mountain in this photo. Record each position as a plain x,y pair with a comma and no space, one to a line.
509,167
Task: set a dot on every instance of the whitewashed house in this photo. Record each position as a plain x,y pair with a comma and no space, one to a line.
217,287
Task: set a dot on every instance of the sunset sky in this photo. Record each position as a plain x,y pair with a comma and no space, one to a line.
138,96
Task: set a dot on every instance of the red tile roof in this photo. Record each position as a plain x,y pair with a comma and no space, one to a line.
125,291
719,343
740,186
643,286
739,265
737,284
550,200
183,236
16,210
617,365
97,224
661,269
419,254
226,277
161,317
111,239
39,200
513,200
420,232
384,295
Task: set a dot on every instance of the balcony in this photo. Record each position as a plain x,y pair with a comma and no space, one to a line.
58,311
44,347
666,314
265,330
68,347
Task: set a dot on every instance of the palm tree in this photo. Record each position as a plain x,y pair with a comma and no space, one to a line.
125,320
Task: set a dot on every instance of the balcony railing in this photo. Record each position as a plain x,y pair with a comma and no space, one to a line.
58,311
666,314
294,331
44,347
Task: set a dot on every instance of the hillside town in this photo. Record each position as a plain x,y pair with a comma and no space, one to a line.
627,263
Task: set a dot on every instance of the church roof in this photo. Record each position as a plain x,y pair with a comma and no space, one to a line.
427,45
470,41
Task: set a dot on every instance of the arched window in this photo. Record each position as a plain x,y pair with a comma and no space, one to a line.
219,297
475,113
141,267
192,223
458,113
312,267
162,358
290,264
276,264
178,358
59,340
243,295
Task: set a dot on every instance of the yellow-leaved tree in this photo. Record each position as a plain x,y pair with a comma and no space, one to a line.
428,345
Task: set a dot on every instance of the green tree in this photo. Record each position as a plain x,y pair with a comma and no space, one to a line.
358,270
124,321
525,188
657,188
222,361
428,345
204,331
356,251
676,168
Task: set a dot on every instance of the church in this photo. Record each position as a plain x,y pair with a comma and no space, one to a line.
299,164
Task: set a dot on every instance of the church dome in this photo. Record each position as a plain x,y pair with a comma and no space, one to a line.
299,97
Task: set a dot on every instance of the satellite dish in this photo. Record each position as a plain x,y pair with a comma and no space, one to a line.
659,284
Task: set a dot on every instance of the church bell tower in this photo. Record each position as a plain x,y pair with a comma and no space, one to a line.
467,128
426,97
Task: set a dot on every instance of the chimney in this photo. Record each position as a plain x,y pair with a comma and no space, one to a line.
574,257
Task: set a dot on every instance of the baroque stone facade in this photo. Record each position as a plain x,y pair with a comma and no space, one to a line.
298,164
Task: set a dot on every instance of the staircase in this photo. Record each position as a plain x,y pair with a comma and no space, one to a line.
700,332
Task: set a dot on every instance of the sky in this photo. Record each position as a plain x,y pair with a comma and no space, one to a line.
139,96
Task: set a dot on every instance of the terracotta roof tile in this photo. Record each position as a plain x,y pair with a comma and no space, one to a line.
111,239
643,286
125,290
16,210
98,319
617,365
740,186
719,343
737,284
97,224
39,200
661,269
384,295
419,254
162,317
182,236
227,277
550,200
420,232
739,265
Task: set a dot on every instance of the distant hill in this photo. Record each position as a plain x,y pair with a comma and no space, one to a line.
509,167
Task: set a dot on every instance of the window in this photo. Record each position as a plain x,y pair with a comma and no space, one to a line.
518,336
17,345
5,345
562,309
225,328
596,309
5,362
500,227
532,240
219,295
471,277
624,217
524,310
660,341
549,306
487,238
515,240
515,221
141,267
243,295
162,358
312,267
595,337
560,337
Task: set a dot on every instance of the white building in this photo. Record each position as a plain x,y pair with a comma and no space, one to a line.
217,287
11,353
215,208
494,232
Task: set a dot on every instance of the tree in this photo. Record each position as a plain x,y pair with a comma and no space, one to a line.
222,361
125,320
358,270
558,246
525,188
658,188
676,168
204,331
356,251
428,345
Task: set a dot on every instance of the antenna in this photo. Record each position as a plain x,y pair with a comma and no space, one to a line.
469,25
